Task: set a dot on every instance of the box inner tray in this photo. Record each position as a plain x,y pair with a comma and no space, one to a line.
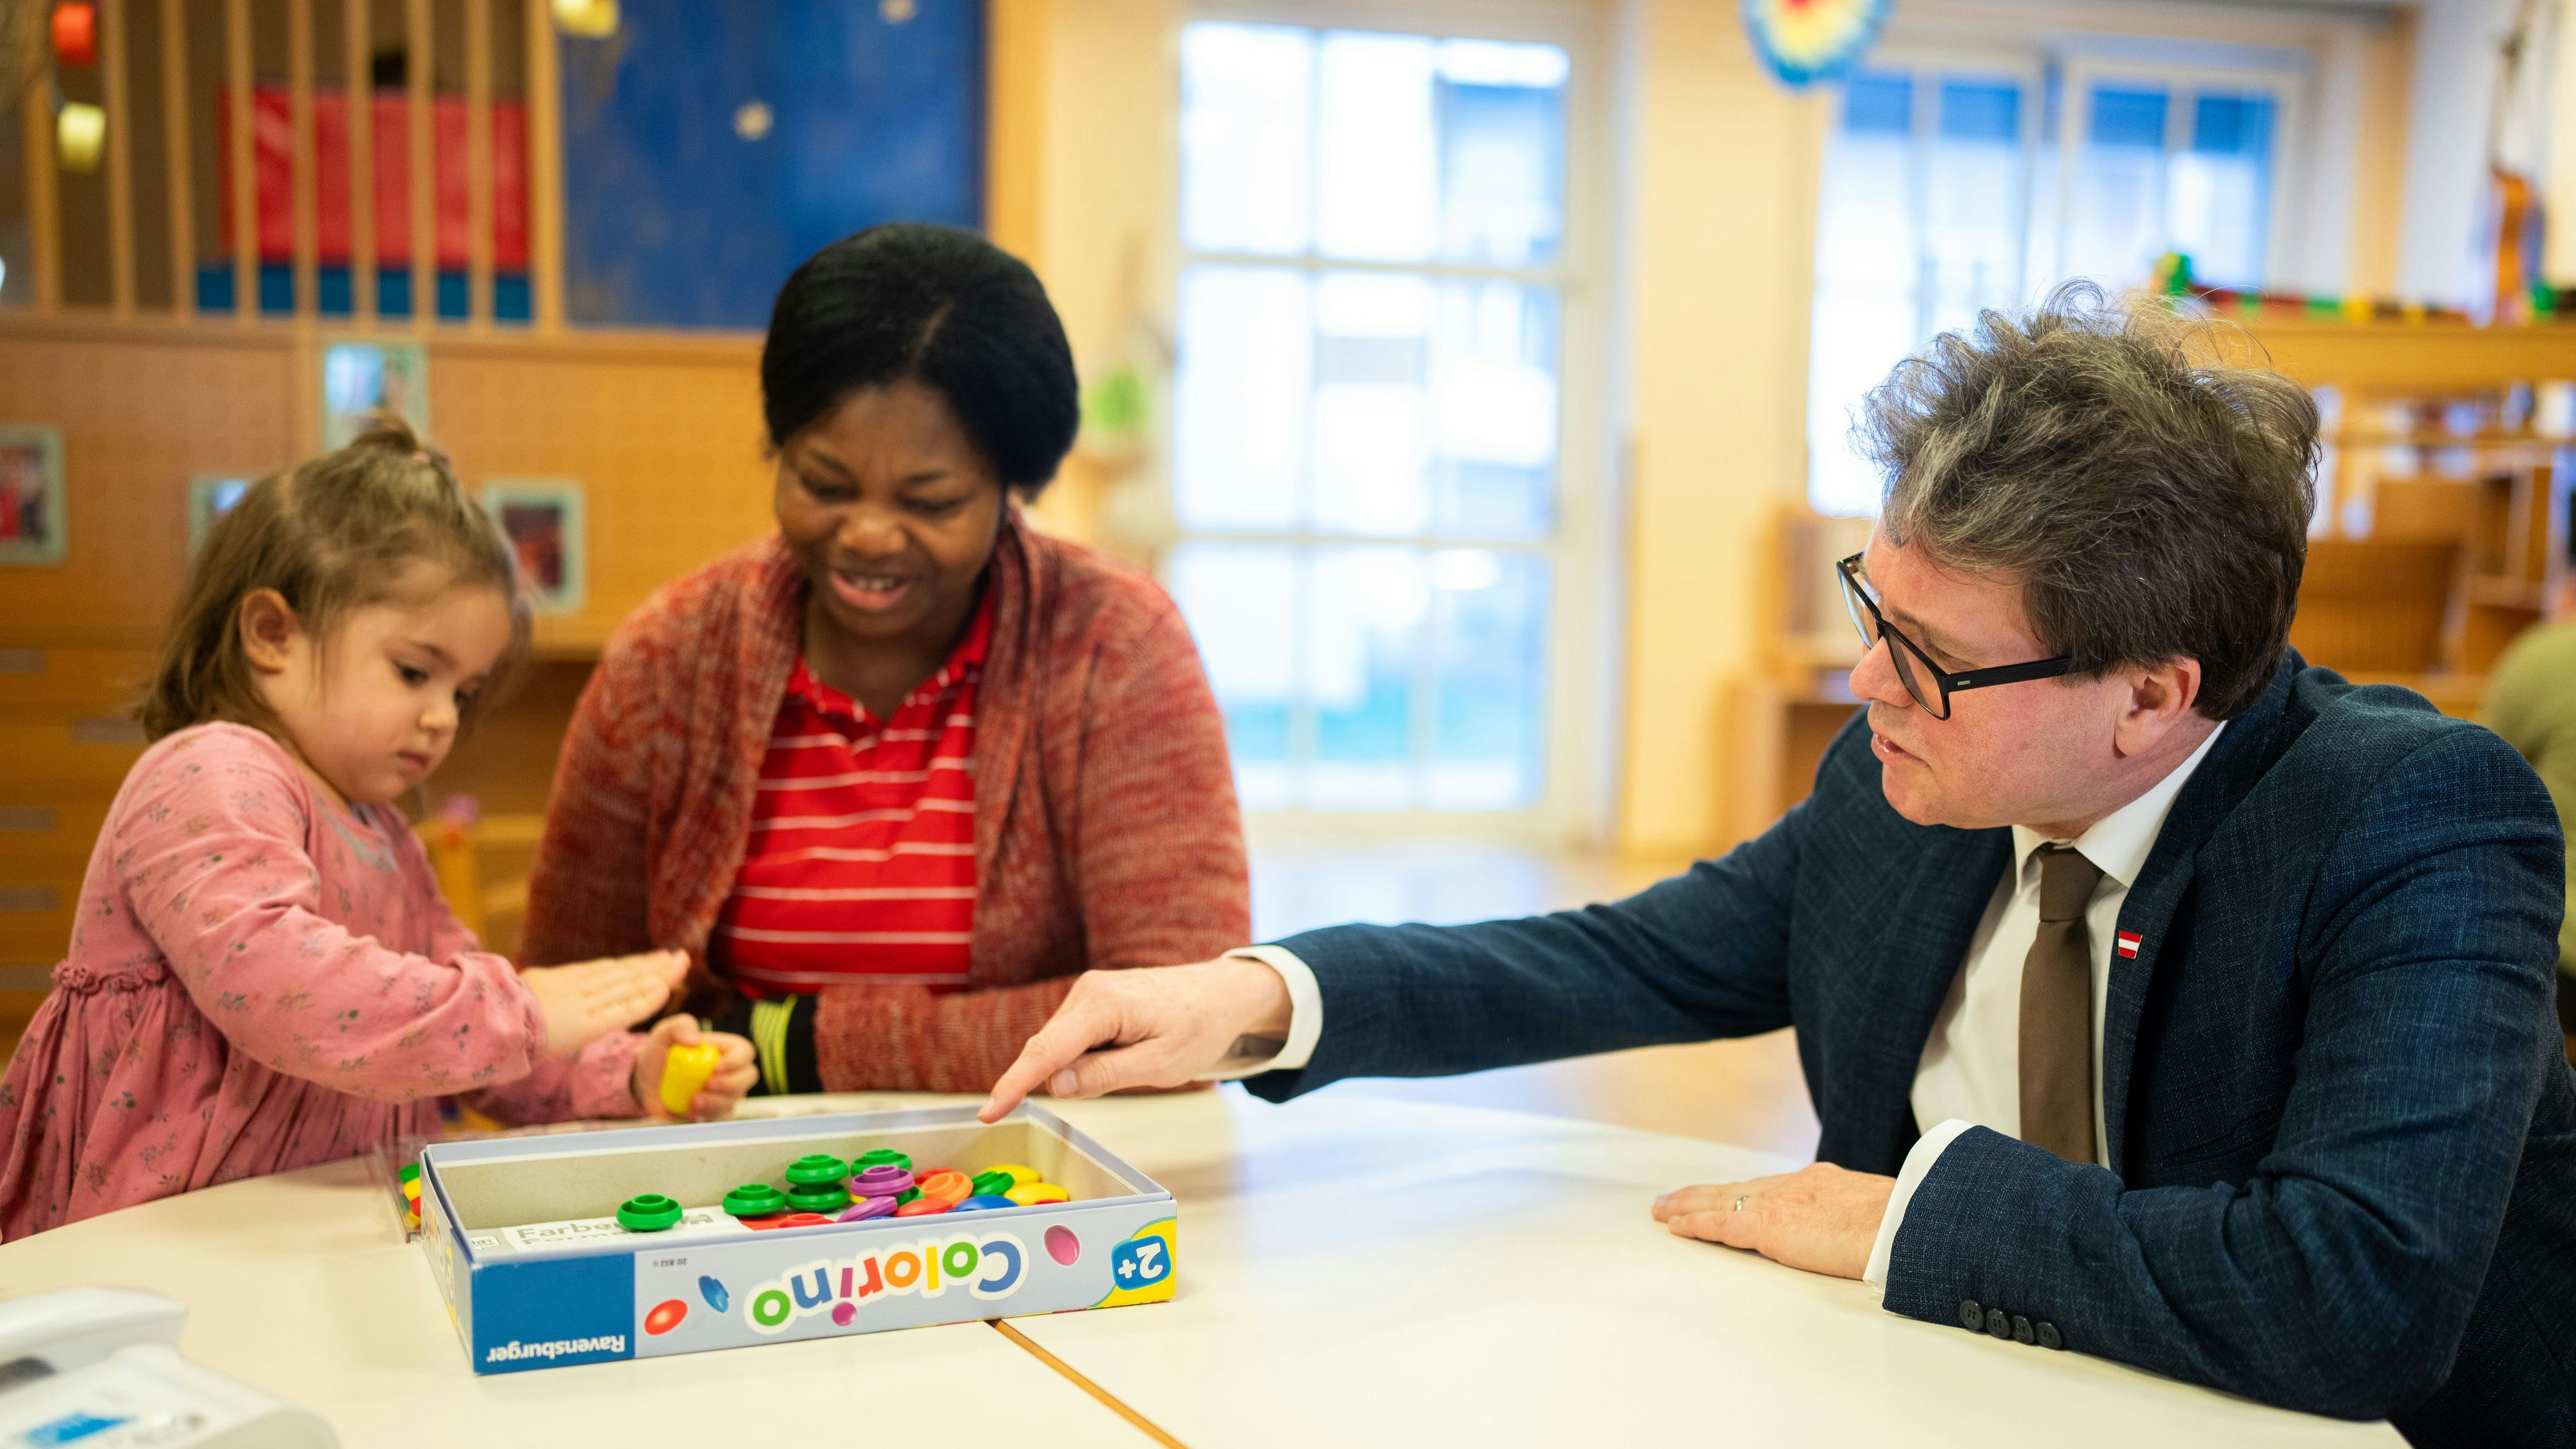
589,1181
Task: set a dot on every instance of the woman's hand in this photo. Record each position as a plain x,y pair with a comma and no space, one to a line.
736,1069
590,999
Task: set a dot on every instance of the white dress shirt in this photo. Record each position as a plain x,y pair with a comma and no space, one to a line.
1970,1074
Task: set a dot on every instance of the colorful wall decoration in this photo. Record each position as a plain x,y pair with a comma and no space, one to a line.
1807,41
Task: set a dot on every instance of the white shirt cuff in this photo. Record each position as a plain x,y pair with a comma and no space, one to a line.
1918,1166
1305,1020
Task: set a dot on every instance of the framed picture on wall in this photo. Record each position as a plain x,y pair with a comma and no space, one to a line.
210,496
543,517
362,379
31,494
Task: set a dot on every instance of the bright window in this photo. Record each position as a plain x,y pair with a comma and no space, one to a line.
1367,409
1949,189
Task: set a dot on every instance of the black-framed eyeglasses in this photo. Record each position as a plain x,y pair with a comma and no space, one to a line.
1925,680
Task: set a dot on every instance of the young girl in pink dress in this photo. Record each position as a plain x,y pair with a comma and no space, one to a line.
263,975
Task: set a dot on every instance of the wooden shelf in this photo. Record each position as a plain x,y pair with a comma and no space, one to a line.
2425,358
2502,592
2460,696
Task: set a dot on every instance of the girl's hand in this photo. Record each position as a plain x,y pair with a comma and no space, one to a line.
590,999
736,1069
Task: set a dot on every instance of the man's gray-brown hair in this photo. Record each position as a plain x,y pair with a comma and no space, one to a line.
2152,504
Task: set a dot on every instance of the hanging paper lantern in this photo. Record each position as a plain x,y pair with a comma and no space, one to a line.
589,19
76,34
1805,41
80,131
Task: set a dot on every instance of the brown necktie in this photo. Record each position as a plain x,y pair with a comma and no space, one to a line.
2057,1011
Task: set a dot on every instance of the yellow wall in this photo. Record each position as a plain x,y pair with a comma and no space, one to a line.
1722,249
1081,184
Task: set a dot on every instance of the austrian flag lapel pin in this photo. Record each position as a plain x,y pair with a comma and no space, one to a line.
2129,941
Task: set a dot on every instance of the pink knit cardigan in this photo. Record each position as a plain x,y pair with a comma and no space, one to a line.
1105,825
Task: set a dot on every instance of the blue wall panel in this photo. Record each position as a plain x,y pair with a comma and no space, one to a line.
674,219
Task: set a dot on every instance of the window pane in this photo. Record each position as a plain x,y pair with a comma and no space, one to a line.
1241,604
1240,393
1488,624
1869,271
2115,223
1372,413
1380,182
1247,93
1433,404
1502,137
1494,396
1358,405
2222,189
1973,201
1860,334
1987,111
1365,614
1864,212
2128,118
1879,104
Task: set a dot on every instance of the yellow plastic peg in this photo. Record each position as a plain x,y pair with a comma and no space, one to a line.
684,1073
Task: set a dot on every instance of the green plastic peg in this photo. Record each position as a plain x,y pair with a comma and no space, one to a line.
755,1200
818,1197
815,1169
648,1212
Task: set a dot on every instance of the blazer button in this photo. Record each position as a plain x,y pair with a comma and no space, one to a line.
1998,1323
2048,1337
2021,1330
1972,1315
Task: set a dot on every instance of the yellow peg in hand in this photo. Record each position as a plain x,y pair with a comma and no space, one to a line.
684,1071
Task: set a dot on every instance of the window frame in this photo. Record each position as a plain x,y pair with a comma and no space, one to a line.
2077,76
1583,661
2073,68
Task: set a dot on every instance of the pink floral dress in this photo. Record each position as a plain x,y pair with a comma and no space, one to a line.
260,980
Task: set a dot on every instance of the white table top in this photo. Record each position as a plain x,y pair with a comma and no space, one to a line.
301,1286
1358,1271
1353,1271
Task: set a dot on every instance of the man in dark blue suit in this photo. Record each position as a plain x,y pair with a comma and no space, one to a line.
2161,997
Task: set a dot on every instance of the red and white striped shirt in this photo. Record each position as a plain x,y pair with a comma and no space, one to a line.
861,866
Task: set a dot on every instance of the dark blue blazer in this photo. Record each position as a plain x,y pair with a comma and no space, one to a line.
2343,1130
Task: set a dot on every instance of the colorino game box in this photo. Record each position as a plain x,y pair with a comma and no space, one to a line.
679,1239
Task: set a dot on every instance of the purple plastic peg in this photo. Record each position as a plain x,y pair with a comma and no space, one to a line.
883,1180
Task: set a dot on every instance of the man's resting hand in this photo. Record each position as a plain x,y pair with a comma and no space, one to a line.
1161,1026
1820,1217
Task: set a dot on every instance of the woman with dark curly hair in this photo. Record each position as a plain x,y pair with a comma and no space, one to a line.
896,774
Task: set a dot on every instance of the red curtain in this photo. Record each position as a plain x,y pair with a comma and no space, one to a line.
272,165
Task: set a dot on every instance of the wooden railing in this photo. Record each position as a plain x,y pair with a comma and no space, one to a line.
233,34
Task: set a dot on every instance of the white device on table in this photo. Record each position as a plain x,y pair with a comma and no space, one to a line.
99,1368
